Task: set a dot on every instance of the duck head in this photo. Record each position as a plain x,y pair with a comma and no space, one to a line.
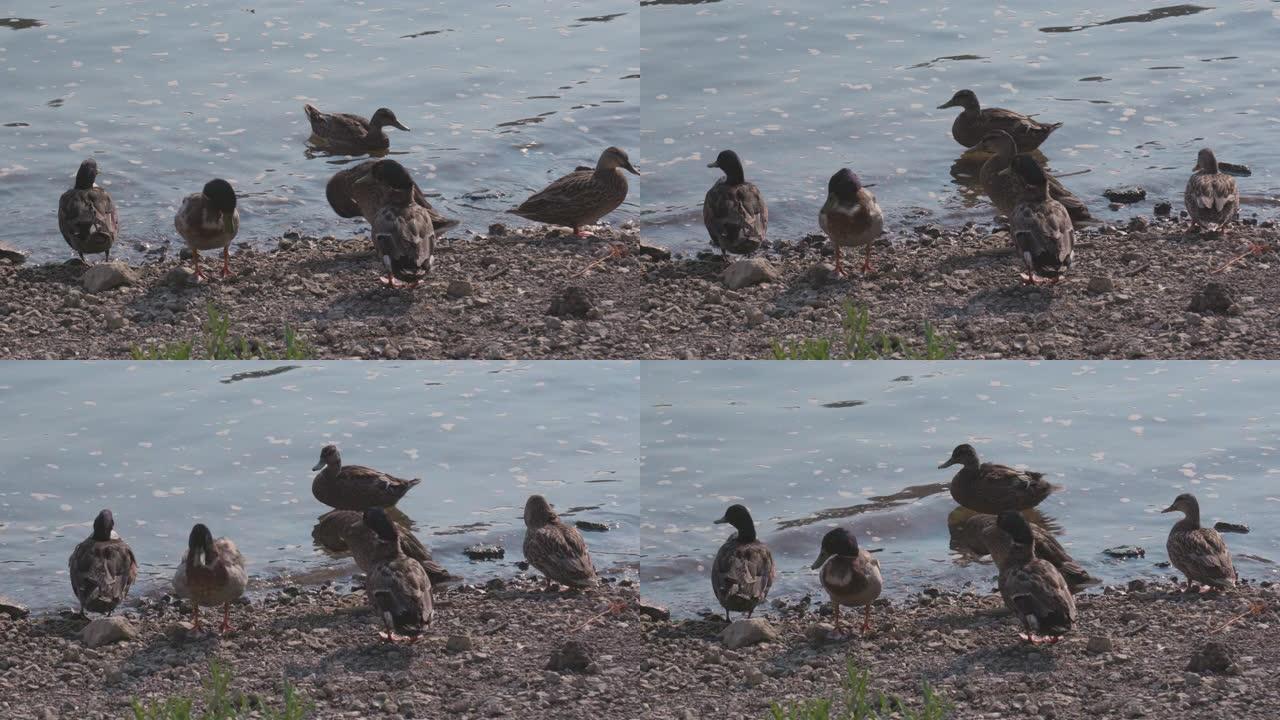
1016,526
997,142
728,161
220,195
392,174
845,185
376,520
329,457
615,157
963,98
838,542
87,173
538,512
963,455
383,117
740,518
1206,161
1030,171
103,526
1187,504
200,546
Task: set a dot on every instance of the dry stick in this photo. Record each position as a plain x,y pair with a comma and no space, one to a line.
1255,249
614,608
614,251
1255,608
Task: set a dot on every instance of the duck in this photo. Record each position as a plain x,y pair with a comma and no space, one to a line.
990,488
555,549
209,220
402,232
583,196
211,573
349,134
1032,588
345,531
1041,227
850,216
975,121
1211,195
849,574
351,200
979,535
87,215
1200,553
743,570
355,487
102,567
1004,188
734,211
397,586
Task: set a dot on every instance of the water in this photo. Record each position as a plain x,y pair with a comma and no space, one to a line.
500,97
802,88
166,445
790,441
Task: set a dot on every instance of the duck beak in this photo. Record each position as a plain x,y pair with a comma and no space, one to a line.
722,521
396,123
948,463
1171,508
713,164
948,104
627,166
318,466
822,558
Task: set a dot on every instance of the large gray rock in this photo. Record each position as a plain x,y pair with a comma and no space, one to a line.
13,609
105,631
741,633
752,271
105,276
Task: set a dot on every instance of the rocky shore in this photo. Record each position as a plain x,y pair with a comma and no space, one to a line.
504,649
1141,651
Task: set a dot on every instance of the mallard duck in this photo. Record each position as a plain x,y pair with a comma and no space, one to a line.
402,232
583,196
850,575
1004,187
102,567
355,487
350,200
1211,195
743,570
1200,553
975,121
734,211
990,488
343,132
209,220
1032,588
979,535
211,574
344,531
557,550
397,587
1041,227
87,216
850,216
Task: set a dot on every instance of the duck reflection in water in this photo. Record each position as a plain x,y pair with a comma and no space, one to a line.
343,532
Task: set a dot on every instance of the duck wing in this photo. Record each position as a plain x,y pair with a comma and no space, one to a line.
373,488
559,552
1212,197
1044,235
1202,555
742,574
735,216
88,220
404,239
102,573
401,593
1037,593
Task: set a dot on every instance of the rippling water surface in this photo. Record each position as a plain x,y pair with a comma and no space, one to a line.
807,446
802,88
232,445
500,98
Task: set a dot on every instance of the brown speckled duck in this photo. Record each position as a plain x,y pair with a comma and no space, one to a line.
850,217
554,548
1041,227
734,211
1200,553
1211,195
1004,187
1033,589
344,531
208,220
979,535
403,236
991,488
351,134
211,574
743,569
87,216
397,587
350,198
583,196
355,487
102,567
850,575
975,121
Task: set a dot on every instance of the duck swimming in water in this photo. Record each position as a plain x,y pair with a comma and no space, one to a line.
351,134
991,488
976,121
355,487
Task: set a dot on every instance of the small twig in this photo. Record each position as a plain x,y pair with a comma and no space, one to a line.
1254,249
614,608
1255,608
497,274
615,250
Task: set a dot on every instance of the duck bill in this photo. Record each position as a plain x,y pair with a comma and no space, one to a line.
628,167
948,463
713,164
822,558
1171,508
318,466
948,104
400,125
722,521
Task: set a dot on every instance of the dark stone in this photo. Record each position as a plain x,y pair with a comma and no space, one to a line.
12,254
485,552
654,612
574,656
657,252
1125,195
589,526
1163,209
1234,169
1214,657
1227,527
1125,552
573,301
1212,298
497,230
12,609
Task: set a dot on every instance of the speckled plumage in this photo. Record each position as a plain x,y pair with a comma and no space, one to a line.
397,587
355,487
344,531
351,198
849,574
102,567
743,571
979,535
209,220
87,215
554,548
1211,195
582,197
734,212
991,488
403,237
1198,552
1033,589
975,121
1041,227
1003,186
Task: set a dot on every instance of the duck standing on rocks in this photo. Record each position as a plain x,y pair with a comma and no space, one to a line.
743,570
209,220
87,216
346,531
1004,187
355,487
734,211
1032,588
102,567
351,134
850,575
1200,553
1211,195
975,121
402,232
979,535
1041,226
397,586
583,196
555,549
211,574
850,217
351,198
991,488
